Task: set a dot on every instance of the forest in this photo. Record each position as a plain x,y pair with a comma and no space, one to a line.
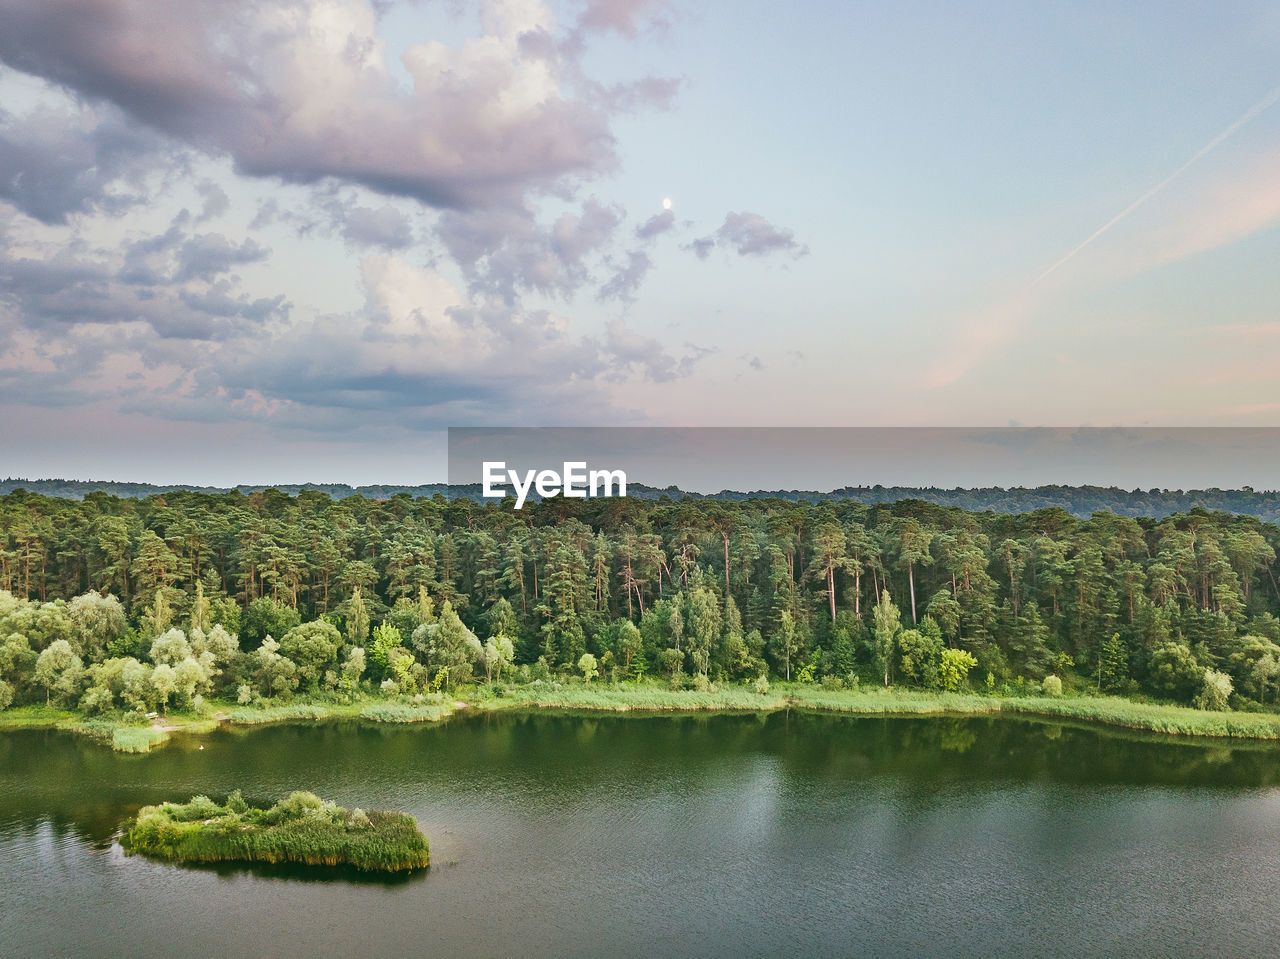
122,604
1081,501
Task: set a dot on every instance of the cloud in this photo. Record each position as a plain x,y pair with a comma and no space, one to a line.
632,350
497,134
702,247
385,226
625,17
216,201
55,163
176,284
420,352
503,252
626,280
656,225
303,91
749,234
204,256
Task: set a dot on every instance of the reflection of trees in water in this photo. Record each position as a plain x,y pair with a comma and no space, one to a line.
86,790
955,736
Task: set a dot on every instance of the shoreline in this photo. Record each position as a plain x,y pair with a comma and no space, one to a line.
1175,721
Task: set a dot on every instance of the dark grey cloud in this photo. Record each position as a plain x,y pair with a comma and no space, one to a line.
176,256
175,283
58,162
656,225
749,234
384,227
302,93
204,256
221,300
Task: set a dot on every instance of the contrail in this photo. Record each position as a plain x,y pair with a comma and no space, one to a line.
1209,147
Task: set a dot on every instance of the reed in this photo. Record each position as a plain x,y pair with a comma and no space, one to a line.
301,828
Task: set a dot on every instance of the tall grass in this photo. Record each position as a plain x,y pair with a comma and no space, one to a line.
1176,720
640,697
136,739
896,701
251,715
405,713
301,828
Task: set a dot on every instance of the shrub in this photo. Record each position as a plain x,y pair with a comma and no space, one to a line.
762,685
1052,686
301,828
1215,692
954,671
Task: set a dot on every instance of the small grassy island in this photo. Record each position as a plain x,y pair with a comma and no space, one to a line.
302,828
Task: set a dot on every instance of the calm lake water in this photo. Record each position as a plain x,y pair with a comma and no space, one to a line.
719,835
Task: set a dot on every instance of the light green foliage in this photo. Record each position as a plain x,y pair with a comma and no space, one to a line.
702,619
276,675
99,620
17,661
499,651
170,648
1254,665
217,642
587,666
784,644
954,671
164,683
41,623
1051,685
761,685
353,669
357,619
920,654
885,635
386,638
59,670
1215,692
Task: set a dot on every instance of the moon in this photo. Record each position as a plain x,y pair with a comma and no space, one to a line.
666,203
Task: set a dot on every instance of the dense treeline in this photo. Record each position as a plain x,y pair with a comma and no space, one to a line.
1081,501
124,603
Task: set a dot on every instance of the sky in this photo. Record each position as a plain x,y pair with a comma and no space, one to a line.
251,242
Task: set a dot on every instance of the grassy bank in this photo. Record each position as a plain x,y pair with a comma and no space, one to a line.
128,735
301,828
628,697
1174,720
123,734
875,701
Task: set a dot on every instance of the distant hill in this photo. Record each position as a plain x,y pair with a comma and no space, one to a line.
1081,501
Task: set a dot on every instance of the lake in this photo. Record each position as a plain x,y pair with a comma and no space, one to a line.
559,834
